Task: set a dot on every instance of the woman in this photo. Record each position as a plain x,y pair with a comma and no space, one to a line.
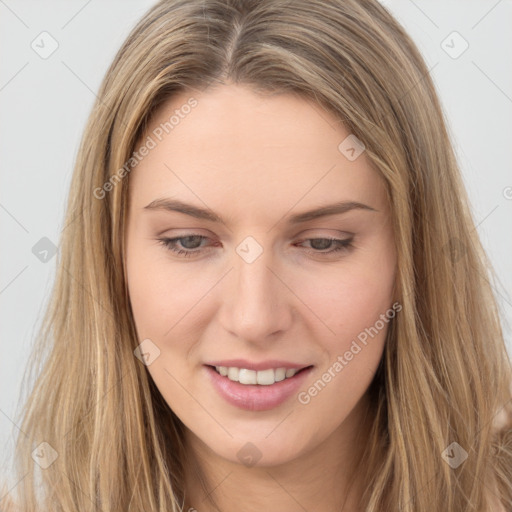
271,291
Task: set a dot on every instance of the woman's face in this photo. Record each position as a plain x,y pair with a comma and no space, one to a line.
252,281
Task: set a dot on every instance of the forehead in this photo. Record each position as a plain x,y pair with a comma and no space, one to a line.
233,147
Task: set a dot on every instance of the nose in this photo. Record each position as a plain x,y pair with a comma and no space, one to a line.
256,302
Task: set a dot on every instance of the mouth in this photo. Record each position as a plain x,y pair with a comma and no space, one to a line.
257,390
250,377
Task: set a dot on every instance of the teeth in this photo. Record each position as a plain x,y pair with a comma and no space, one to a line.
247,376
280,374
233,373
262,377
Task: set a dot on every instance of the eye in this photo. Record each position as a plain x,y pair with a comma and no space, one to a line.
191,245
320,245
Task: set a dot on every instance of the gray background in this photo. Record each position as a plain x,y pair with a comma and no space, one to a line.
44,103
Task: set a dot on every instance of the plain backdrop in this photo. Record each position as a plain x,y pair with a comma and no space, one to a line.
45,100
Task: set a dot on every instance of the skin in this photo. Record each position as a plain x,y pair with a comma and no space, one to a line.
255,160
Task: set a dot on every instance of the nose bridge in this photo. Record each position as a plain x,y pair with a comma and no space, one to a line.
257,305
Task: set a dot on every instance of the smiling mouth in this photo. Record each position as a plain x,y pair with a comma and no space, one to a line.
260,377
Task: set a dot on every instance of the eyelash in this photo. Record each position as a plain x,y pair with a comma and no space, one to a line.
342,245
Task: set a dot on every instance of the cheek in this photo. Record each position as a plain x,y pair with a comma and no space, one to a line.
350,298
356,310
161,295
162,300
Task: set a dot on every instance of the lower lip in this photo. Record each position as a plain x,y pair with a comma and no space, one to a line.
256,397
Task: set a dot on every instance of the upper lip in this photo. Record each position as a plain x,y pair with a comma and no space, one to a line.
263,365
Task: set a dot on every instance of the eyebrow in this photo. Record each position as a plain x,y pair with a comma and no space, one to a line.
175,205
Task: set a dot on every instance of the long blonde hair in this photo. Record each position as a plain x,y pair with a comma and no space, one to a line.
445,371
